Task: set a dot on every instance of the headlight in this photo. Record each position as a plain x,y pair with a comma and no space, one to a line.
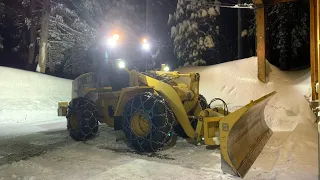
145,45
121,64
112,41
164,67
116,37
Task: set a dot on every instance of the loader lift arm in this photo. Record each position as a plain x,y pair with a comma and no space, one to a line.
174,99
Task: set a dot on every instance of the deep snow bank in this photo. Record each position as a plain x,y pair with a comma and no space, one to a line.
236,82
30,98
290,154
292,151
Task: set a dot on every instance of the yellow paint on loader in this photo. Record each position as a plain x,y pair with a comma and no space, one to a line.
174,101
243,135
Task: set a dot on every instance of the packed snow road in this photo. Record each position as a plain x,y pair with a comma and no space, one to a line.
34,143
53,155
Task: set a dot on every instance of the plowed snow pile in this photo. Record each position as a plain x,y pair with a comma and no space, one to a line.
291,153
29,98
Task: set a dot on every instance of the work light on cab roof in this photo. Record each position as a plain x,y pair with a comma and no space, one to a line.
112,41
121,63
145,44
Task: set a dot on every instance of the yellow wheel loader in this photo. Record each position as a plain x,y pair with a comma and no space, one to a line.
150,107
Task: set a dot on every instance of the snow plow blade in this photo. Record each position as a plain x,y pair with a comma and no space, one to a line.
243,135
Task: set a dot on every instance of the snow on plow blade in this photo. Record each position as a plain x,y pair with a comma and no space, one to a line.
243,135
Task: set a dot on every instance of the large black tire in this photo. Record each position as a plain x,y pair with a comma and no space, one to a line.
178,128
158,122
82,119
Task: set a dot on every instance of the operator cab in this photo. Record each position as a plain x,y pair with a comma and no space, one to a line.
119,77
111,68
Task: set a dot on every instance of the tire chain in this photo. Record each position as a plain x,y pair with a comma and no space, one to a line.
168,112
86,122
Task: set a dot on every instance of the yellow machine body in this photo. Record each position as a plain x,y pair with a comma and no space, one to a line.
174,92
241,134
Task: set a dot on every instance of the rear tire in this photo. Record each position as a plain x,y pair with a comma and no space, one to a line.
148,122
82,119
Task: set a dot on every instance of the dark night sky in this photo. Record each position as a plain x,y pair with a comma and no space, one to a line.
158,18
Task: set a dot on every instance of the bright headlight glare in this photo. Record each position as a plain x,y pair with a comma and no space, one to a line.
166,68
146,47
144,41
112,42
122,64
116,37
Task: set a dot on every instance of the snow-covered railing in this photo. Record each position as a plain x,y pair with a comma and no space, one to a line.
239,6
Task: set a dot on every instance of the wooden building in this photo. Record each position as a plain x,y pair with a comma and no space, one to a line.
314,41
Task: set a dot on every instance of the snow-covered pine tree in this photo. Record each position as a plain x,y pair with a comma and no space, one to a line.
76,26
69,38
289,27
25,19
2,6
194,30
1,45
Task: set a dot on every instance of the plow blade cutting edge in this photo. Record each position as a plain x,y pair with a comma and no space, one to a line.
243,135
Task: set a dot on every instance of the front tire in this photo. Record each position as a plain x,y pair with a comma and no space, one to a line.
203,102
194,122
148,122
82,119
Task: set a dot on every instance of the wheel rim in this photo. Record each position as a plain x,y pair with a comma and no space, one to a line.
140,124
73,122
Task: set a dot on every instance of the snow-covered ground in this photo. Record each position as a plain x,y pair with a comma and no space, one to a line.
291,153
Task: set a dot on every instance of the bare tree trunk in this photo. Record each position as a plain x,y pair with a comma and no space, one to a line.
240,29
44,37
33,35
24,48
